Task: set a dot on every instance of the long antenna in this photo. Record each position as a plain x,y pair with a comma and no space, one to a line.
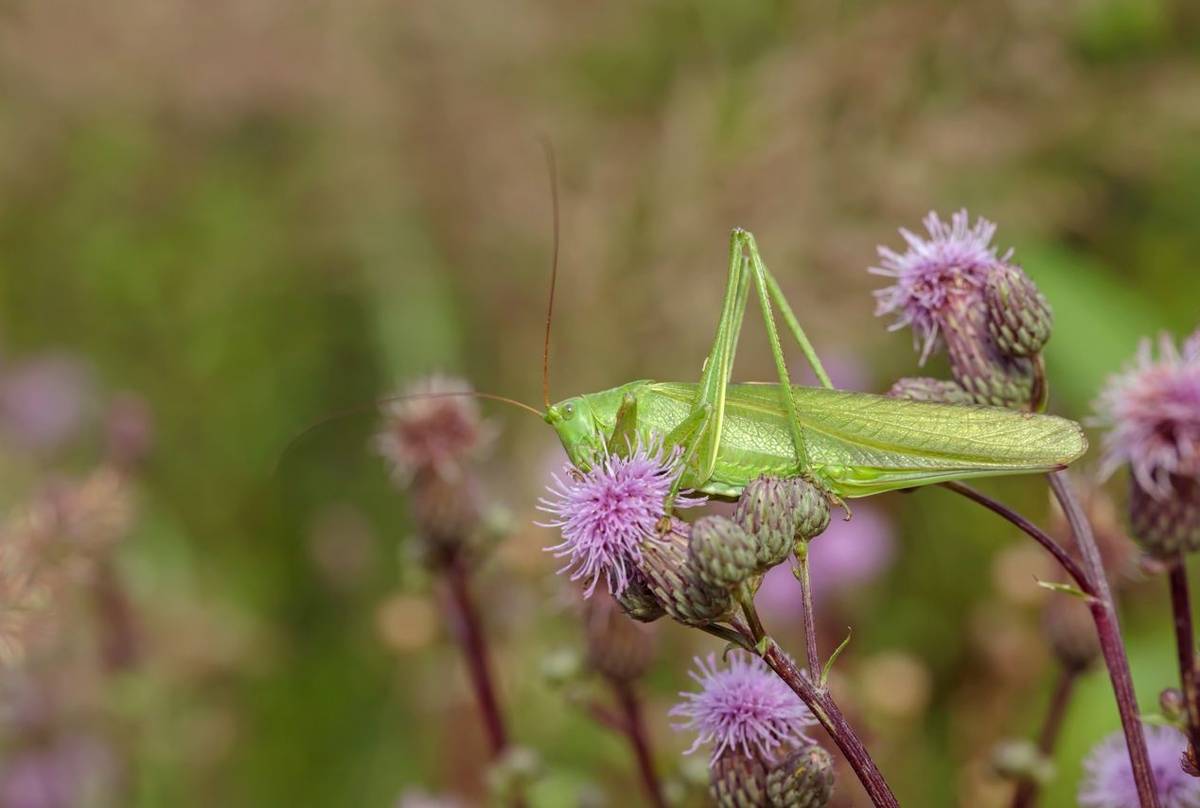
552,169
373,406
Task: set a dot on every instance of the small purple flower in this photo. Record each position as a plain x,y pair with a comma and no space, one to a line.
1108,775
953,260
605,513
1153,411
743,707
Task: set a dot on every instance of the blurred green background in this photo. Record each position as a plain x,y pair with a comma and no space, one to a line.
253,214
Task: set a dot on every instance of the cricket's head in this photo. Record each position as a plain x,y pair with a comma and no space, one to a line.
577,428
585,422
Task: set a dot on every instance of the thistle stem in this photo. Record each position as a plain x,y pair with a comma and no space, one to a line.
1104,613
810,621
635,731
1027,790
823,707
469,631
1185,644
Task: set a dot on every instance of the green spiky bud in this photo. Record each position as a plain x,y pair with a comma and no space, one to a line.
725,555
672,576
1019,318
637,601
1166,525
804,780
926,388
980,368
778,512
738,780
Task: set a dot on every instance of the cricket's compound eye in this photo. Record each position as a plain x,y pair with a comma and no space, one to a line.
568,411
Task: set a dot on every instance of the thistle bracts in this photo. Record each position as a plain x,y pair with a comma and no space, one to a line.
801,780
672,575
1018,317
780,512
1165,526
725,555
637,601
985,372
927,388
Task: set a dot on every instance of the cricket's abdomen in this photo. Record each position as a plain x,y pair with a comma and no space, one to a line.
859,443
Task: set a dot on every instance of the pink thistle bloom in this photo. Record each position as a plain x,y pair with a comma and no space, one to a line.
953,260
1108,776
1153,412
606,512
433,431
742,707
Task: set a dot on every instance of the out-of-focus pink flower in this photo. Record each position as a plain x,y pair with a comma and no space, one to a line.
432,428
1153,415
1108,776
65,772
43,401
846,555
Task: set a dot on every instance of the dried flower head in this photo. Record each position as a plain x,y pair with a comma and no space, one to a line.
954,260
1108,777
744,707
606,512
1153,414
433,429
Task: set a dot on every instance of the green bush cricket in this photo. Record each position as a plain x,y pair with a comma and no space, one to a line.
853,444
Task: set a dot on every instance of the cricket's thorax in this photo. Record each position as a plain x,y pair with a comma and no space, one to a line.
857,443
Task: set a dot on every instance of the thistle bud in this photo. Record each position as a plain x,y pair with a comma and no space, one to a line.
637,601
738,780
724,554
1018,317
926,388
778,513
1173,707
1022,761
1168,524
1071,632
988,375
804,780
671,575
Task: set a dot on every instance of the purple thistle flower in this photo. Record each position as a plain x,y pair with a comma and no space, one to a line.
743,707
953,260
1108,775
606,512
1153,411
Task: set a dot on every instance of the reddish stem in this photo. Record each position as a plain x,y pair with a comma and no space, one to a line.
1185,644
470,636
1104,613
827,712
635,730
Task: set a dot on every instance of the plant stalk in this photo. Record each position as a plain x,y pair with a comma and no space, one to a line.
469,631
1185,644
810,621
1104,613
826,711
635,730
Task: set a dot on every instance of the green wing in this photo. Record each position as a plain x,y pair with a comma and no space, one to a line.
863,444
